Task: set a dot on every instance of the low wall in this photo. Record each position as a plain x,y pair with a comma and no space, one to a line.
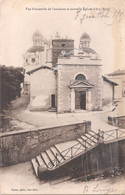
104,157
21,146
117,121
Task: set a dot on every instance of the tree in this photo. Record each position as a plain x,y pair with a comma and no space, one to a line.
10,81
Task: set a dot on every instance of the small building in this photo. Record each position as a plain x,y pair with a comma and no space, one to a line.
108,91
42,89
119,77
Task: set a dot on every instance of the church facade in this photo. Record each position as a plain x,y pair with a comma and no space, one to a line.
65,80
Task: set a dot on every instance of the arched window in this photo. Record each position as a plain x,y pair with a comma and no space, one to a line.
80,77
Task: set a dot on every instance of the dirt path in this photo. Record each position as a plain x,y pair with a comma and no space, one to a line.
19,179
10,121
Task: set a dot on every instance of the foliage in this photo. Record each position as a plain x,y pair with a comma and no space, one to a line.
10,83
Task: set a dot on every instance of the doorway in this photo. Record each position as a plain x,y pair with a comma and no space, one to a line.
80,100
83,100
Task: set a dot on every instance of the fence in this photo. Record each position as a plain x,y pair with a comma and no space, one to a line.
111,135
86,145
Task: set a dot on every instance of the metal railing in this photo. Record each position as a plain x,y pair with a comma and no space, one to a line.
85,145
74,151
111,135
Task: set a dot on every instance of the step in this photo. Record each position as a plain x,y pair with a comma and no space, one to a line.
89,138
66,150
52,156
65,145
87,141
46,160
54,152
93,134
82,142
40,161
52,110
35,166
57,154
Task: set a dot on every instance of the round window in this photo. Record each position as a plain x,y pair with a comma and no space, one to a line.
33,59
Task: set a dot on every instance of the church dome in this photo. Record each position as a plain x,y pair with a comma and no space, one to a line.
89,50
37,34
85,36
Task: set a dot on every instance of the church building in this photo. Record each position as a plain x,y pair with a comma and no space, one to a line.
63,80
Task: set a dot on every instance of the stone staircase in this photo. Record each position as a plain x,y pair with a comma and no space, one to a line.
59,154
53,109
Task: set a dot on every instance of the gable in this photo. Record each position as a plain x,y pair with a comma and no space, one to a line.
39,68
80,84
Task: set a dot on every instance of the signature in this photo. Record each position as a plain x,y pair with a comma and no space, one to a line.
98,189
110,15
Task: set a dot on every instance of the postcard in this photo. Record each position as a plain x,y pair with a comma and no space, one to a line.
62,102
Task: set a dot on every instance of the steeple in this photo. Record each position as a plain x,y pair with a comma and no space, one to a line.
57,36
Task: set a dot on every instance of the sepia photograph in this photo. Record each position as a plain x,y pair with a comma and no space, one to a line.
62,97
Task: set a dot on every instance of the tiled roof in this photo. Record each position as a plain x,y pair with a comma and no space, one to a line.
39,68
109,81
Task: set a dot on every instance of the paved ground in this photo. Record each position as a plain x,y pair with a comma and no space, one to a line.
24,119
47,119
19,179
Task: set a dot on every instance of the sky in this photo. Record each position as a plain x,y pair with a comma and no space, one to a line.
21,18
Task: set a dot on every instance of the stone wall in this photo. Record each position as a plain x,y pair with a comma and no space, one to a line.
66,73
117,121
22,146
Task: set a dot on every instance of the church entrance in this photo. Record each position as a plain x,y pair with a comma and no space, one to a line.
80,100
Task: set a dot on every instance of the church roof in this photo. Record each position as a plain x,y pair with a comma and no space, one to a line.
37,34
109,81
39,68
35,49
117,72
89,50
